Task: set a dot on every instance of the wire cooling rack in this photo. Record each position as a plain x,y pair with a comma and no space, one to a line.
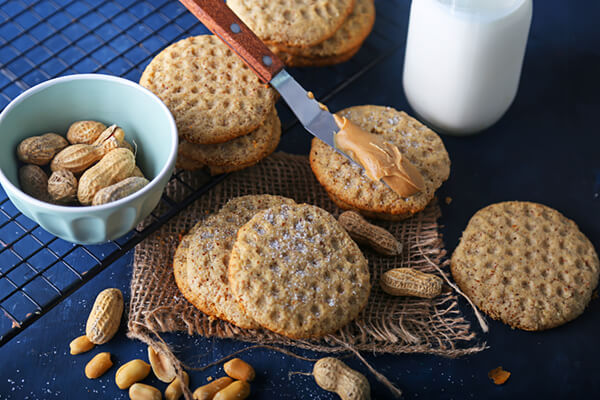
40,40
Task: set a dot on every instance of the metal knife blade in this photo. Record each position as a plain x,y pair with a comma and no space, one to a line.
317,121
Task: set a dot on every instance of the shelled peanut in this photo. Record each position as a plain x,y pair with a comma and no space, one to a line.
98,365
80,345
208,391
88,144
161,366
140,391
175,390
234,386
239,369
131,372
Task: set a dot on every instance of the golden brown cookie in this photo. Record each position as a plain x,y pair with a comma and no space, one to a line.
238,153
297,272
292,60
213,96
206,285
299,23
342,45
526,264
350,188
187,163
180,264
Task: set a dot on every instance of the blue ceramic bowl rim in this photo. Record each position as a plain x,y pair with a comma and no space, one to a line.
166,169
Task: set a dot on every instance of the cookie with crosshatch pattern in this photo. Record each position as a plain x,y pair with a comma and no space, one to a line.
213,96
526,264
299,23
350,188
293,60
297,272
201,273
238,153
340,47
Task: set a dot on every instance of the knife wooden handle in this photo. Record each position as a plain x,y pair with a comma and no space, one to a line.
220,20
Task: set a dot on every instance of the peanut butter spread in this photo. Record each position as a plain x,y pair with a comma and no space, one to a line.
380,159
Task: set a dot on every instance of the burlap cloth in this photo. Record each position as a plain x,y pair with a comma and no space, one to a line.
386,325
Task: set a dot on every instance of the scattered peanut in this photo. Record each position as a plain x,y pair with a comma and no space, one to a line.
80,345
98,365
117,165
379,239
62,186
333,375
85,132
208,391
161,366
39,150
239,369
139,391
175,390
105,317
236,390
410,282
131,372
119,190
34,181
76,158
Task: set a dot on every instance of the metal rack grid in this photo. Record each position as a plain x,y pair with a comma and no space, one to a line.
43,39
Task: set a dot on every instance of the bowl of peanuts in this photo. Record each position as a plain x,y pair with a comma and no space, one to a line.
86,156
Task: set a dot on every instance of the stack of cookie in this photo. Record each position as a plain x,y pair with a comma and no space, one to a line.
225,116
350,188
265,261
309,32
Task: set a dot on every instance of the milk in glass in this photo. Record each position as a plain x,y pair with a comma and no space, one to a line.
463,60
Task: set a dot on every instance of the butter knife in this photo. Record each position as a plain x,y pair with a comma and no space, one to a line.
223,22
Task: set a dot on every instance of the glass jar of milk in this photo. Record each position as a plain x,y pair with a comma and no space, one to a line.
463,60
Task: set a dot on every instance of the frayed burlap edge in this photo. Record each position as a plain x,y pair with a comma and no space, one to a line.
387,324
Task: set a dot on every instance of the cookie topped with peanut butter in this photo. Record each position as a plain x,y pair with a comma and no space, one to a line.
409,157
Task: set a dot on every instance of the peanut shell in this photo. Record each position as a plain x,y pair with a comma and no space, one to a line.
105,317
119,190
117,165
62,186
85,132
34,181
76,158
40,150
410,282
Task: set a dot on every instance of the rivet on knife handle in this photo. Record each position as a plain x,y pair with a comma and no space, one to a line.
220,20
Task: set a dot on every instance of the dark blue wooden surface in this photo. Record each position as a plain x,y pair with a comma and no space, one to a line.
546,149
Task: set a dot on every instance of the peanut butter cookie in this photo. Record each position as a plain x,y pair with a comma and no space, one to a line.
340,47
213,96
299,23
237,153
297,272
526,264
203,277
350,188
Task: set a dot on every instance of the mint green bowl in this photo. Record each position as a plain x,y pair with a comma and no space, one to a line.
51,107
